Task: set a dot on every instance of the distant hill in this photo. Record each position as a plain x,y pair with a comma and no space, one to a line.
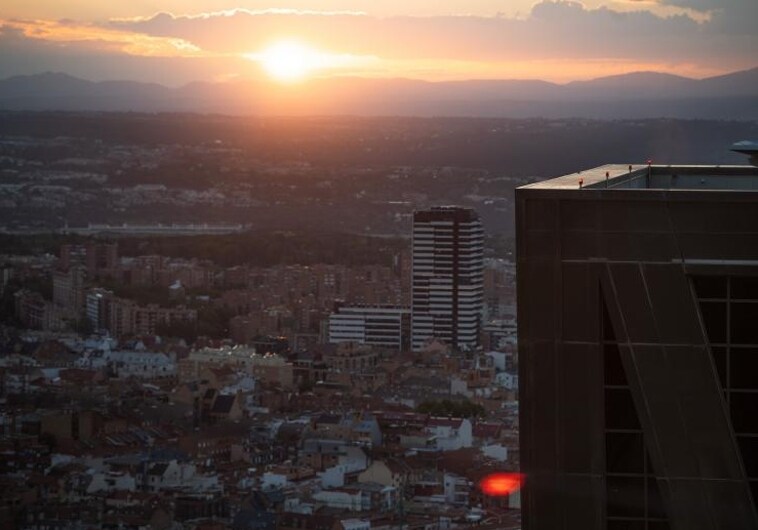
634,95
637,85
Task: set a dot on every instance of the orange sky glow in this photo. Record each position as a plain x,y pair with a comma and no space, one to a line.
175,42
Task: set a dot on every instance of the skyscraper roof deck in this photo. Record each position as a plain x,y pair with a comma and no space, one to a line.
446,214
749,148
657,177
638,348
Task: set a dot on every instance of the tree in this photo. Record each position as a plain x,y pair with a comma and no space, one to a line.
446,407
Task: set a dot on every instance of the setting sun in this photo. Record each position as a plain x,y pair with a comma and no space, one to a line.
289,60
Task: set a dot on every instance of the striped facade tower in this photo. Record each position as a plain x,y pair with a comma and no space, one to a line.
447,290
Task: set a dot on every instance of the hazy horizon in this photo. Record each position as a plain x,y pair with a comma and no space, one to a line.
316,78
642,95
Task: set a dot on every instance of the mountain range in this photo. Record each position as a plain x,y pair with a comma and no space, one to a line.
634,95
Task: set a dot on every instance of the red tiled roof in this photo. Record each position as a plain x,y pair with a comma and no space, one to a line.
487,430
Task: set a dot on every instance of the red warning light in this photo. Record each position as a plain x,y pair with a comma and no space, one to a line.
501,484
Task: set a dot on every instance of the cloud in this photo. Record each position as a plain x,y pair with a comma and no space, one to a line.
237,11
98,59
68,32
553,29
556,39
706,5
736,17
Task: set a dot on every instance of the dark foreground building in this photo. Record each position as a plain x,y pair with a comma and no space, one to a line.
638,345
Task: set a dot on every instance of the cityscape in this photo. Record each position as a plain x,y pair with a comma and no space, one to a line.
302,397
267,265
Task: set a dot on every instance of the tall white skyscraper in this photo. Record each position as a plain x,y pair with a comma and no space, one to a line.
447,291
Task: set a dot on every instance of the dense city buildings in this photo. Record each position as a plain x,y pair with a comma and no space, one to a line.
447,296
147,390
205,323
637,307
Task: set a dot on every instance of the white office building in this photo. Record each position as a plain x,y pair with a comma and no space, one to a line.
447,290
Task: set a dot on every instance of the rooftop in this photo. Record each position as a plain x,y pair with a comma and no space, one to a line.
445,213
656,177
747,148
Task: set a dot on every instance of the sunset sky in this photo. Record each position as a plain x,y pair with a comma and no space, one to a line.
174,42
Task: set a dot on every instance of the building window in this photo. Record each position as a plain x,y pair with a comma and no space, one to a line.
633,499
729,311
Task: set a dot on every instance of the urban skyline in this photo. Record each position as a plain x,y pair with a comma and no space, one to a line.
272,265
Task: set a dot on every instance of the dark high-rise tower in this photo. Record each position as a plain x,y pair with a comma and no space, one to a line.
447,276
638,348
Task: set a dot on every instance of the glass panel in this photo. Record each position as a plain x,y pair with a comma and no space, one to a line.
749,450
613,369
624,453
743,366
620,412
744,288
744,328
625,525
626,496
744,407
719,359
709,286
714,318
754,490
655,507
608,334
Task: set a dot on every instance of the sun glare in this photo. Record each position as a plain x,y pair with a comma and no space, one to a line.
501,484
288,61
